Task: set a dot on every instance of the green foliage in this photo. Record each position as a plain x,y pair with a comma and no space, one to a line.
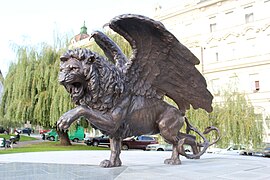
32,92
50,146
1,78
22,137
234,116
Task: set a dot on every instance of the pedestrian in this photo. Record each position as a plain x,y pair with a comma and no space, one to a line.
43,136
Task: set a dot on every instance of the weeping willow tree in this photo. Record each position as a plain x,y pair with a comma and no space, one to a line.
32,92
1,85
235,117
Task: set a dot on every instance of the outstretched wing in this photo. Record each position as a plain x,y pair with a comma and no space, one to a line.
160,64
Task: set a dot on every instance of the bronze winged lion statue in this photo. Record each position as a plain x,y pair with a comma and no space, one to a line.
124,97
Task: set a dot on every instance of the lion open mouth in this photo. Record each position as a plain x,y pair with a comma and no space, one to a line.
75,89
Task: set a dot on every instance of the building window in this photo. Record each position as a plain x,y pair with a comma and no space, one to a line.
213,27
230,50
212,54
213,24
255,83
250,47
257,86
229,19
249,17
216,56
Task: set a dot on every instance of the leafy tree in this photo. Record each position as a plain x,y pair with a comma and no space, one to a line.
32,92
1,84
235,117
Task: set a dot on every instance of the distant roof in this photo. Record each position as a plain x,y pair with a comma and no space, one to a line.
83,34
80,37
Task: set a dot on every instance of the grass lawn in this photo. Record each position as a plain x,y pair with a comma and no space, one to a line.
22,137
49,146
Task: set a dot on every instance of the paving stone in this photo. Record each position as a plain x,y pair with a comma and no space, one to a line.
143,165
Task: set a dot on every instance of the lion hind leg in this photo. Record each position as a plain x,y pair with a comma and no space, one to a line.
174,160
169,124
190,140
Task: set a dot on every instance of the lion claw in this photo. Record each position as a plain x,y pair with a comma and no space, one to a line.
63,124
172,161
107,163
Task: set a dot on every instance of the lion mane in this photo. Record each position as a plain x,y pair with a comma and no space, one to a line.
104,83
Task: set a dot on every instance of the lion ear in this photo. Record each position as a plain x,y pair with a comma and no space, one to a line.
63,58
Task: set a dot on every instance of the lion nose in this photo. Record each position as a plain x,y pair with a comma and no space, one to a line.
61,78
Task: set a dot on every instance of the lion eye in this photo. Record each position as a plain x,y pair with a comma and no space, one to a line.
74,68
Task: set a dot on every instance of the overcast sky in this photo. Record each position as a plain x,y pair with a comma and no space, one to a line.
31,22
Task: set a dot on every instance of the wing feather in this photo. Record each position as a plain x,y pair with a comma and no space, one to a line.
160,64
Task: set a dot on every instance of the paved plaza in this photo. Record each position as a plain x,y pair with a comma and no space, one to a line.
137,165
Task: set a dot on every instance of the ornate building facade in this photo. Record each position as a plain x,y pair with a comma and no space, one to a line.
230,38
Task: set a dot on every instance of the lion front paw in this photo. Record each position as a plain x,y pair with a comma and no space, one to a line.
106,164
172,161
63,123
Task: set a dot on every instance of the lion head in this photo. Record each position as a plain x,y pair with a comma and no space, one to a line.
90,79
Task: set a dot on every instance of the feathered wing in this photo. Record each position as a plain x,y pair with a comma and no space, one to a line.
160,64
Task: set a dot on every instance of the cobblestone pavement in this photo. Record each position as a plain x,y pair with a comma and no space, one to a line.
136,165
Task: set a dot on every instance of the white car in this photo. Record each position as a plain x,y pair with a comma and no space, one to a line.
214,150
232,149
159,147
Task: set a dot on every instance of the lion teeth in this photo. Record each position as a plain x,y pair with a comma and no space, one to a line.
69,89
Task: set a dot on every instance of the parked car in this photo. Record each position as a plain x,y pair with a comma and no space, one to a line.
25,131
42,131
3,130
248,152
75,136
96,141
159,147
232,149
138,142
165,147
51,135
266,152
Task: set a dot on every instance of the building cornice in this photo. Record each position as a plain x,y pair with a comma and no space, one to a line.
237,64
169,13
